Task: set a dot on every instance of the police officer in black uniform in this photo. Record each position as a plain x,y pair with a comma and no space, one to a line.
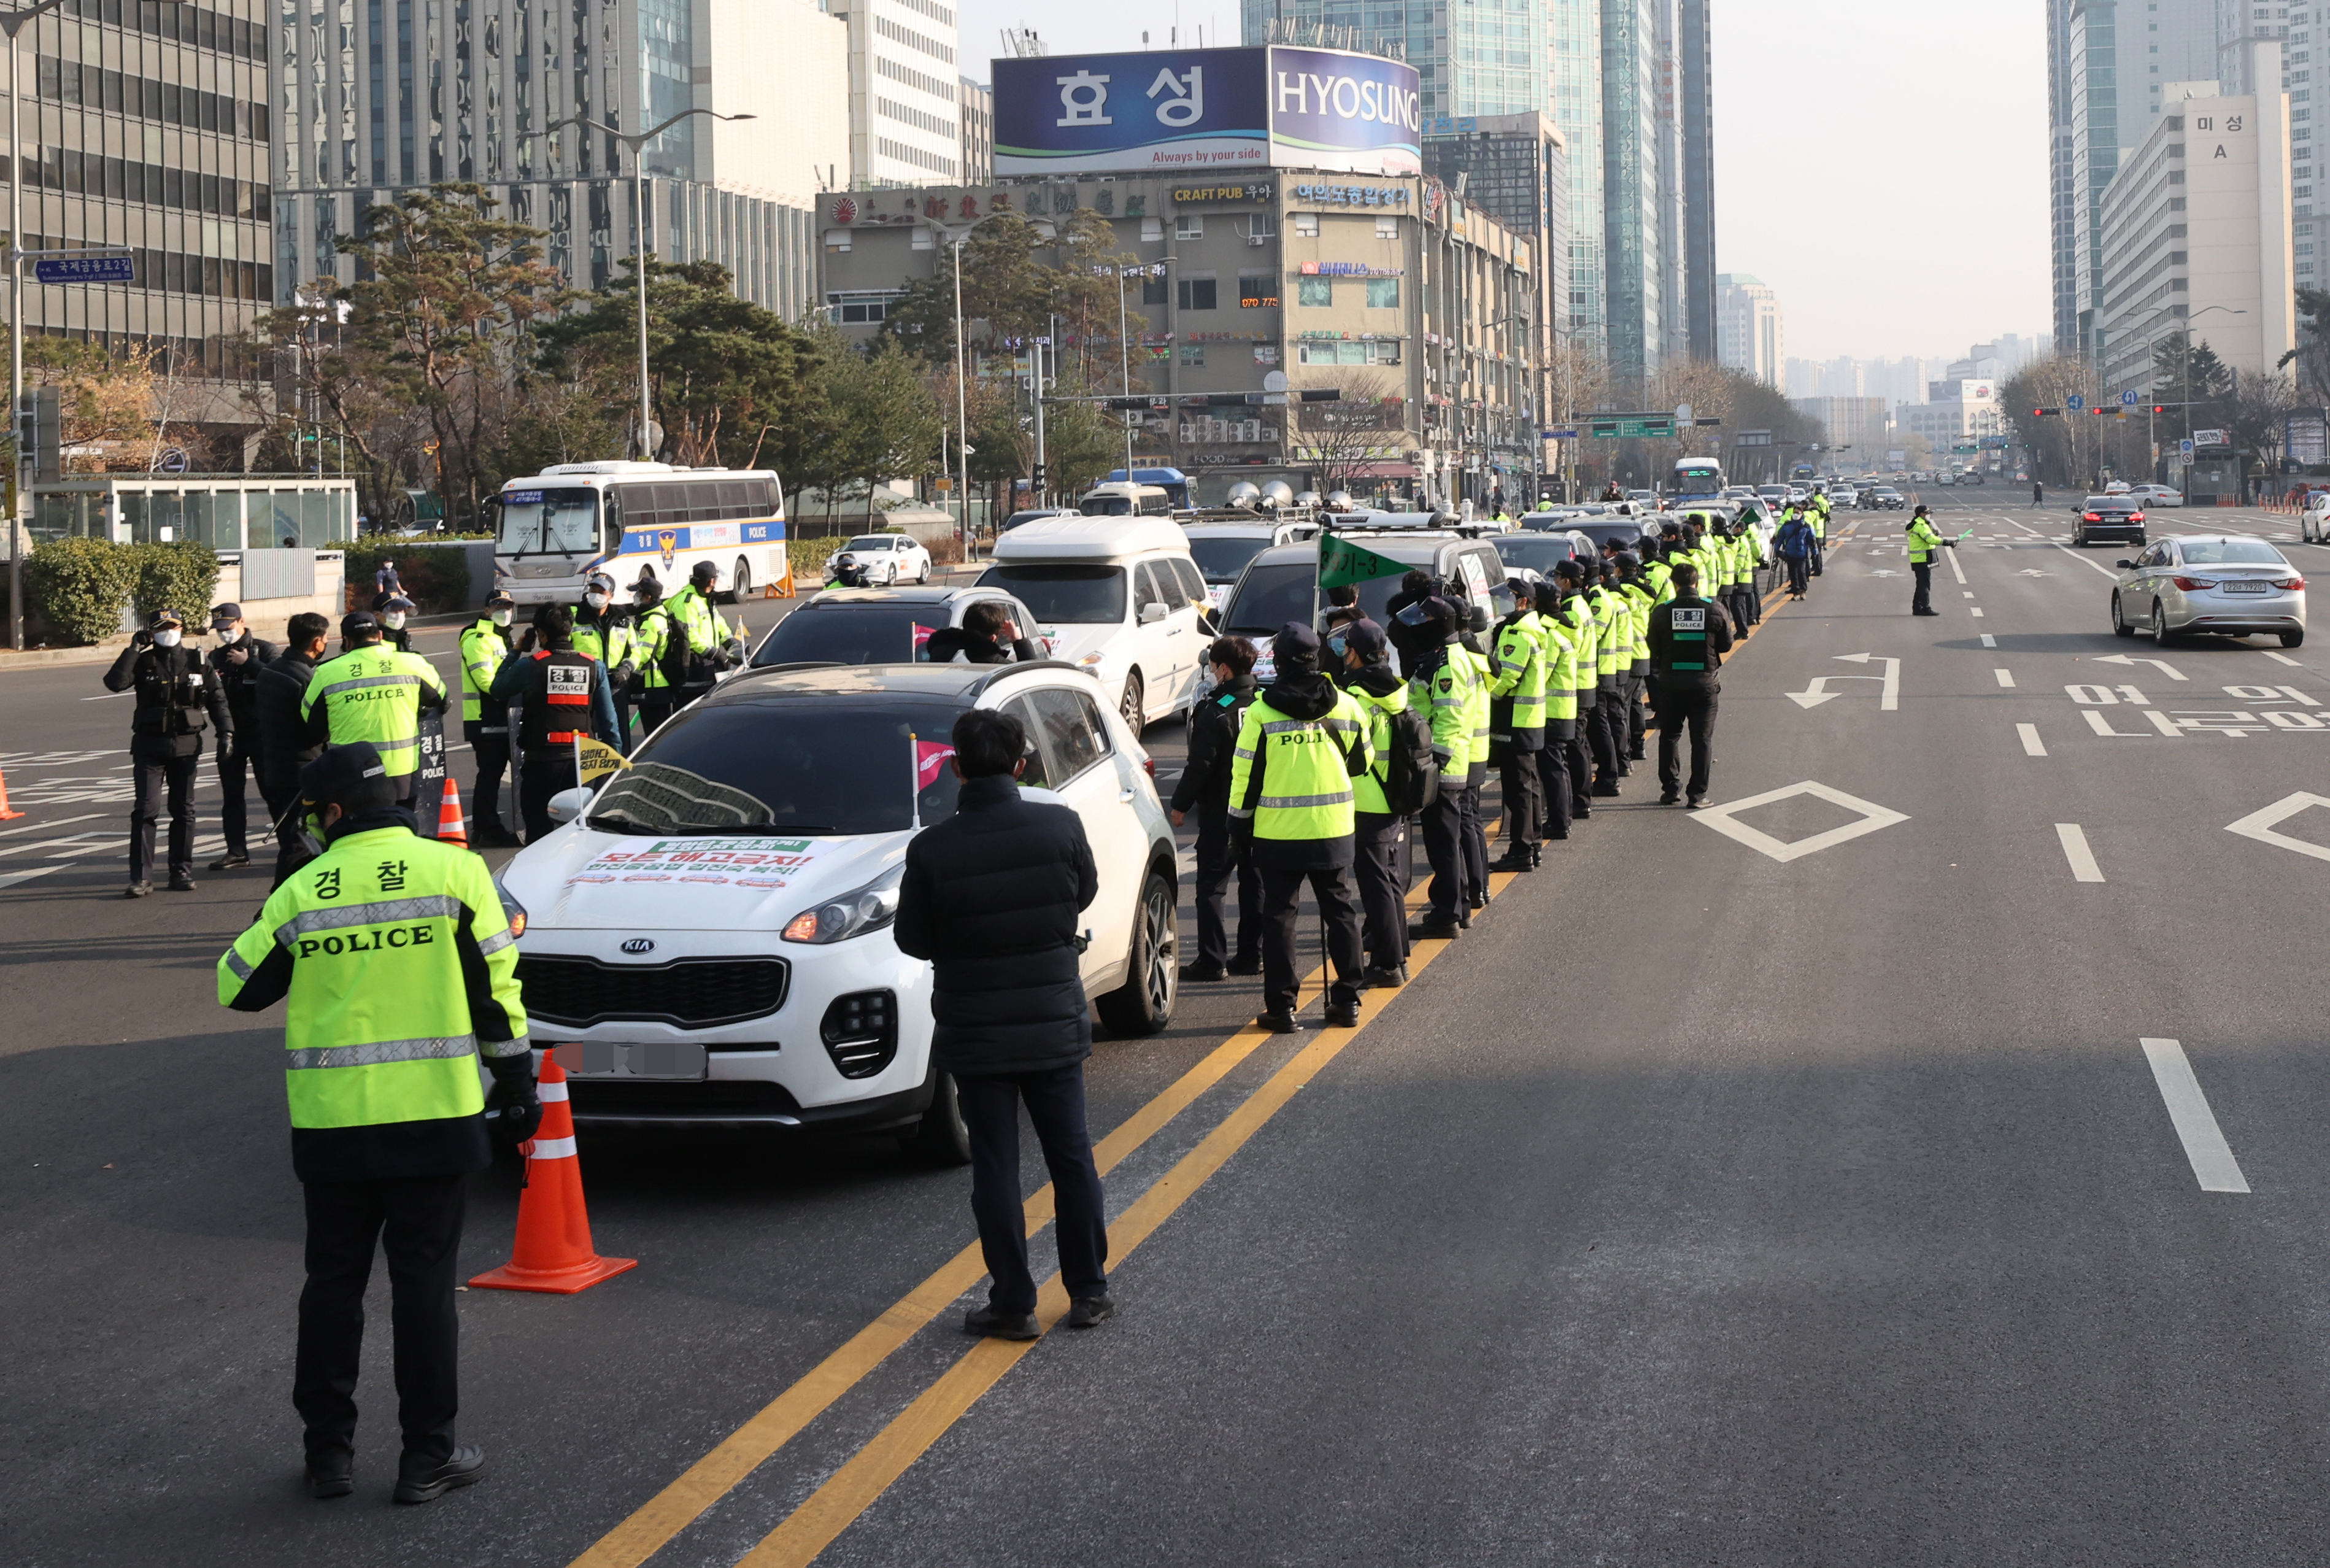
177,697
1225,844
563,694
1688,637
235,664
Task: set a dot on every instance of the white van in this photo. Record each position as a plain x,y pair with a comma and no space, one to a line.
1120,596
1120,499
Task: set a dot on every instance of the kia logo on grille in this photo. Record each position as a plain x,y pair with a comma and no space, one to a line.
640,944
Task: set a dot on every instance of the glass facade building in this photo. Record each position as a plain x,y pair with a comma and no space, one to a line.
1633,205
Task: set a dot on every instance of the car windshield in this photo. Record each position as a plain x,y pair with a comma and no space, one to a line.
1016,518
809,767
2229,553
1086,595
1220,558
1535,551
1270,597
851,634
873,542
559,522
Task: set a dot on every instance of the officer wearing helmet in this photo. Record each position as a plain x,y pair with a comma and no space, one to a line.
392,616
486,643
177,698
688,653
602,629
402,974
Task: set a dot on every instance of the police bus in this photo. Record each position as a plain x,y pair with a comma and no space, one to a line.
1697,477
635,518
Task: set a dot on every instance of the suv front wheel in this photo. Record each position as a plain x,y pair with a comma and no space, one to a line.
1143,1004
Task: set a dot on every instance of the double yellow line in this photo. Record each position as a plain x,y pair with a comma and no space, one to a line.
851,1490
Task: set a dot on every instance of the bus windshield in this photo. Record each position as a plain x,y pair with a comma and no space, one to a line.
556,522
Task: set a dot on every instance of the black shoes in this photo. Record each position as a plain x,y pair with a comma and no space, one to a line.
181,883
1090,1312
425,1482
1637,756
1607,790
1243,965
492,835
1374,979
1202,972
138,891
1924,612
1671,798
230,861
989,1323
1433,931
1343,1017
1518,861
1554,835
331,1475
1279,1023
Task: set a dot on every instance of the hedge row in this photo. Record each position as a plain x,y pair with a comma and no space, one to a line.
80,585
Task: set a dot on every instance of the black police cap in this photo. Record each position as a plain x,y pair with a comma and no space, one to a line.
352,777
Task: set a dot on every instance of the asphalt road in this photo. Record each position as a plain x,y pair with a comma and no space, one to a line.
1745,1188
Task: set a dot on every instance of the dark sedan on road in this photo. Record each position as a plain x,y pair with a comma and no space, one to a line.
1882,498
2117,519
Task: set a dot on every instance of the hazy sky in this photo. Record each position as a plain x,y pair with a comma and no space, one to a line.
1882,167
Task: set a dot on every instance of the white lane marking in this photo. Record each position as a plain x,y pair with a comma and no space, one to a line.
2083,560
1958,571
60,822
1873,817
1988,640
13,878
2261,824
2132,661
2005,677
1967,595
2075,849
51,844
2281,659
2032,745
1975,611
2102,725
2196,1125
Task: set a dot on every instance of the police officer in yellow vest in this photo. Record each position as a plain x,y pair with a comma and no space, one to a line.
376,693
1635,599
1576,620
1300,746
401,973
1816,513
1517,727
602,629
1363,650
1605,733
1924,540
485,718
1440,684
1560,654
1470,649
563,697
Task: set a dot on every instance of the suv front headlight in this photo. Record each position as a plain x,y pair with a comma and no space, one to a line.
855,913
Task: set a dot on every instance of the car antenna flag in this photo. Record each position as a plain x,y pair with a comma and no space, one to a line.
929,757
1343,564
914,796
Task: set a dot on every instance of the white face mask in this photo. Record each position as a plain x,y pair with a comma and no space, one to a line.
596,601
167,637
502,617
394,620
229,634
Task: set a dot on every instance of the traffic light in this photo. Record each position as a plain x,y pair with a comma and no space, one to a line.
38,418
2045,413
1037,478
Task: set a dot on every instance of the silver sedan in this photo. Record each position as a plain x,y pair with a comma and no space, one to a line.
2229,584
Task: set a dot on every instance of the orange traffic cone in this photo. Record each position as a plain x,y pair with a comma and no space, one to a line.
6,814
554,1230
451,828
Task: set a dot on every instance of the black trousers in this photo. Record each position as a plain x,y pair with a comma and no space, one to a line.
544,774
1226,852
1553,773
1923,599
1339,907
1055,1098
153,778
235,817
1637,716
1378,869
290,848
1443,822
1599,740
1581,756
1740,601
1820,548
490,750
419,1223
1798,571
1524,788
1476,835
657,704
1681,709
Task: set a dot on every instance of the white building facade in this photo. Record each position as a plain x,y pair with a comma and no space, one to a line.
906,93
1750,334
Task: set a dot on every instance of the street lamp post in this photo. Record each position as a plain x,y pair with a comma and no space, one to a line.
637,141
1124,345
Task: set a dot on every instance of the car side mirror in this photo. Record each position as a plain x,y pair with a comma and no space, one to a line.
1152,613
2125,566
567,805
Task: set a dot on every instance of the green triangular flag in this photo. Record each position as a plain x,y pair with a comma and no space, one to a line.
1342,564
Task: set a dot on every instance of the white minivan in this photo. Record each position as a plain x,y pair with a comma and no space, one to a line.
1120,597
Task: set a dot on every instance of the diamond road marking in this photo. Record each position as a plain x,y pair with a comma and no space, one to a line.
1873,817
2259,825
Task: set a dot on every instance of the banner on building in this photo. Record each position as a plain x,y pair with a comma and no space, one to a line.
1159,111
2307,439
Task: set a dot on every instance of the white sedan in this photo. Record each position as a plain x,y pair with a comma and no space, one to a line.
889,559
2154,497
2228,584
709,942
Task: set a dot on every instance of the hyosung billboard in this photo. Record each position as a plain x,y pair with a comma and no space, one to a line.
1174,110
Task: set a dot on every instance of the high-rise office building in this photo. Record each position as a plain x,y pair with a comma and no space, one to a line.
978,132
396,94
1697,86
1516,168
1632,204
148,127
1577,108
1674,330
905,93
1750,333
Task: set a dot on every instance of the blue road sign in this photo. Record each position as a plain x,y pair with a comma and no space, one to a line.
2184,449
1557,435
2129,399
2076,404
86,269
